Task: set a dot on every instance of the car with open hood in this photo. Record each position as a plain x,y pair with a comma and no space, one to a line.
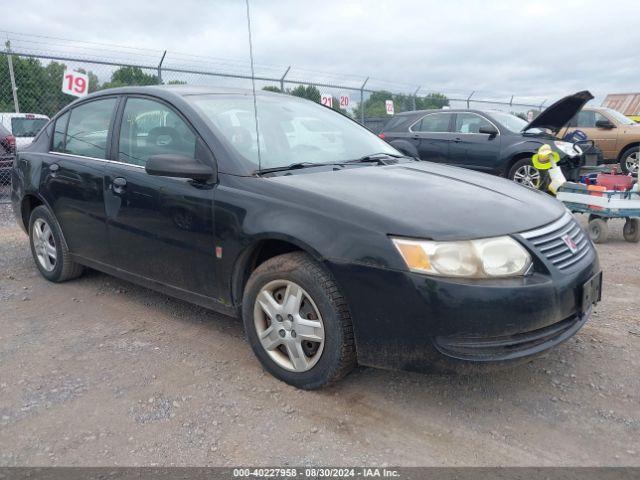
489,141
334,253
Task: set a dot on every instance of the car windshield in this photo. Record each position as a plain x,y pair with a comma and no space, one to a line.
291,130
510,121
619,117
27,127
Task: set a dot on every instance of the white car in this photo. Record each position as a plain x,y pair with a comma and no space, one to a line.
23,126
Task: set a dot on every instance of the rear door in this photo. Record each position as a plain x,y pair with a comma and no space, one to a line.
73,175
605,138
432,134
471,149
159,228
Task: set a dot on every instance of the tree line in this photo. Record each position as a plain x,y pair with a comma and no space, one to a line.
39,89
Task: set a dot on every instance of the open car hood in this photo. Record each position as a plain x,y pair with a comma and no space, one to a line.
557,115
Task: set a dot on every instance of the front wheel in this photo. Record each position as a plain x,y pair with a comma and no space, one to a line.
524,173
598,230
629,160
298,323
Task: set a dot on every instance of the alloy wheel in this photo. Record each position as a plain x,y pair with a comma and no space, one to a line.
528,175
44,245
289,325
632,161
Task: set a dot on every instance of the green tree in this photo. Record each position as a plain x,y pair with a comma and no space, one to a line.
271,88
309,92
375,105
130,76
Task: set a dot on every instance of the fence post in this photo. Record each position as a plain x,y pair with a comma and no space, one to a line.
282,78
362,100
469,98
413,99
545,101
160,68
511,101
14,89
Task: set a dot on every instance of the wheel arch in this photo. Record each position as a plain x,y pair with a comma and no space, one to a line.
262,249
516,157
627,148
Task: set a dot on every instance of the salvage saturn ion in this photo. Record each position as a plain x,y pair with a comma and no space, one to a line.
333,247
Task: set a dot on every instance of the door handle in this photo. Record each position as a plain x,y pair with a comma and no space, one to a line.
118,185
456,140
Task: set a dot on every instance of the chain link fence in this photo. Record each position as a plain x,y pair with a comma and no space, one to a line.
31,82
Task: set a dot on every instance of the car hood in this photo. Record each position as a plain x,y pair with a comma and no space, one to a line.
556,116
422,200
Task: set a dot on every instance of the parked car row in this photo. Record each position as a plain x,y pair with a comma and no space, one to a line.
334,247
502,144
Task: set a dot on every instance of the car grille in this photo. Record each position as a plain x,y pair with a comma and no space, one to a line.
553,242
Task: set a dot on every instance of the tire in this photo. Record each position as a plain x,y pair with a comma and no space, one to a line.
524,173
598,230
49,249
629,160
326,352
631,230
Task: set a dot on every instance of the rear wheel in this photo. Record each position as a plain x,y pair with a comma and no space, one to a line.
49,249
598,230
631,230
297,322
524,173
630,159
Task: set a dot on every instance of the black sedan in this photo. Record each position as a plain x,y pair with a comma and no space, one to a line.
334,249
489,141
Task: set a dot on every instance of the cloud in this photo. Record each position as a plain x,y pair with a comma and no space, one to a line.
539,49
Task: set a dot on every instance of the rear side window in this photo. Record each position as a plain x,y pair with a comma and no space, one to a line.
436,122
27,127
152,128
88,129
59,132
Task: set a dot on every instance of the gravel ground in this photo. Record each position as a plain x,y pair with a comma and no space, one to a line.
98,371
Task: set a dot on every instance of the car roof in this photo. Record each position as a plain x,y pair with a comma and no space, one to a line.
180,90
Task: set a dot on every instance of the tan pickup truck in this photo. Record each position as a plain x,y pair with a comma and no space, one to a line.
616,135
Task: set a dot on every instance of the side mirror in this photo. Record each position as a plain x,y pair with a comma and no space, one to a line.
605,124
488,130
178,166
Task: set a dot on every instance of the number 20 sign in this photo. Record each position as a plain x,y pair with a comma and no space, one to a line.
75,83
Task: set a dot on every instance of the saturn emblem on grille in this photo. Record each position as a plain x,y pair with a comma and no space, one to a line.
573,246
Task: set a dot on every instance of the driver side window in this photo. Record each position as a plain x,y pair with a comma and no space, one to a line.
152,128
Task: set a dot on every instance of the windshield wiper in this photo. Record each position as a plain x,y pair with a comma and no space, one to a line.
292,166
374,157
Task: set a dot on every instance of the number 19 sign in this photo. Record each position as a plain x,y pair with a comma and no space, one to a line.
75,83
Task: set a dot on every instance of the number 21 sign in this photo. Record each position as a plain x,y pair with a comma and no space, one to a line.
75,83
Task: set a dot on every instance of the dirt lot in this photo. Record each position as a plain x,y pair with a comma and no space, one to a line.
100,372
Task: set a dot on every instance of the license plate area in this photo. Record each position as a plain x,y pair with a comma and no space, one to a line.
591,291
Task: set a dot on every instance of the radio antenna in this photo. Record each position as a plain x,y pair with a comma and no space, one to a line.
253,85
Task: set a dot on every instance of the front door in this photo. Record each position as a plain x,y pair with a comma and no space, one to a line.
73,176
606,139
159,228
471,149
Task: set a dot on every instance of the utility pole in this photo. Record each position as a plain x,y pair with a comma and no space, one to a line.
14,89
362,100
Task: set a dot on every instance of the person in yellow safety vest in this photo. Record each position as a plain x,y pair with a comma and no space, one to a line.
547,159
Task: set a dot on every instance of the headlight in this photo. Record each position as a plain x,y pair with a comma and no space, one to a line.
486,258
568,148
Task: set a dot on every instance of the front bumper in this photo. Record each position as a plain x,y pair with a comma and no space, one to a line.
410,321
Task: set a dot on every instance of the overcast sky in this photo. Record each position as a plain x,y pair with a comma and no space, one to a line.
535,48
